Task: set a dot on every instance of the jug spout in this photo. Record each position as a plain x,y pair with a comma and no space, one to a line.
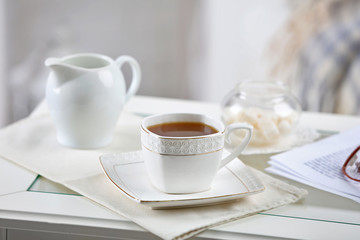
51,62
62,71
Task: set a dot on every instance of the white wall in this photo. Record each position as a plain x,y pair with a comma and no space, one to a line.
193,49
148,30
234,39
4,116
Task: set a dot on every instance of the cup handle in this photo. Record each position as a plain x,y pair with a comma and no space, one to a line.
136,74
242,146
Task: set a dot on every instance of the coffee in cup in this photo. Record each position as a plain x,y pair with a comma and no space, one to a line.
182,129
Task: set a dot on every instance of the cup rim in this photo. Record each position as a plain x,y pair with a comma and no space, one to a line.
220,131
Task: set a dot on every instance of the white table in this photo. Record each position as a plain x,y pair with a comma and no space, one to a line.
34,208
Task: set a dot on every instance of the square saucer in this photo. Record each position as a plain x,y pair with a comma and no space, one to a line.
127,172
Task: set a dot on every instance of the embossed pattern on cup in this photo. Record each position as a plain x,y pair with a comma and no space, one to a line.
190,146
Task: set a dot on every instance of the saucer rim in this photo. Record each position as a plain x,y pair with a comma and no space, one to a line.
132,196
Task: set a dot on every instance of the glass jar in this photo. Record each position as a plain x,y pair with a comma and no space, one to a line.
268,106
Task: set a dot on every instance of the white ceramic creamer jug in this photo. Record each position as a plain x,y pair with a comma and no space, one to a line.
85,94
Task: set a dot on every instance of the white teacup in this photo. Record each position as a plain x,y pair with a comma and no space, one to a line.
187,164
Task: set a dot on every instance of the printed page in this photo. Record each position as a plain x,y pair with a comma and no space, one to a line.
274,169
320,163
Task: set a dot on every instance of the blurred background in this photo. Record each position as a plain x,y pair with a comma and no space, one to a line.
189,49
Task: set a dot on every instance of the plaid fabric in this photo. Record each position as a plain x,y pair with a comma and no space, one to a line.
328,75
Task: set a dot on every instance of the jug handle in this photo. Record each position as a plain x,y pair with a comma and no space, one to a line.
136,74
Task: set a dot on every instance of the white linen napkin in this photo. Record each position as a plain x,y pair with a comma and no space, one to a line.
32,144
